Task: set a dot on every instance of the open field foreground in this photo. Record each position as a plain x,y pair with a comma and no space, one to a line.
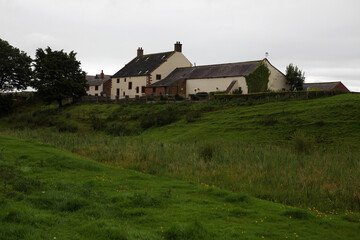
302,153
47,193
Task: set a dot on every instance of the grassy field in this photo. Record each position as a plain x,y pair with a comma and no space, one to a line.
46,193
299,152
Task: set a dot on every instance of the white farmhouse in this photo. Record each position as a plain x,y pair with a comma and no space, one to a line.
143,70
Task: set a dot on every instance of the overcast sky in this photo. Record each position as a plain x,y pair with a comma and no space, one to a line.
321,37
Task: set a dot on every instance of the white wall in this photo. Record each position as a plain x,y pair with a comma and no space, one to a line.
176,60
214,84
93,92
124,86
277,80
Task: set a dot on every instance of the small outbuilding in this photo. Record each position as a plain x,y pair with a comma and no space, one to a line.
325,86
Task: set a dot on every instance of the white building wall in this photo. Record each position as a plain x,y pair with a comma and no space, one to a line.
214,84
176,60
123,86
93,92
277,80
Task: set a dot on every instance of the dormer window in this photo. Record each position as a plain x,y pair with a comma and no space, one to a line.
147,58
139,72
158,76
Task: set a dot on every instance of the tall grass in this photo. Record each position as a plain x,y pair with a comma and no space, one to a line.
326,179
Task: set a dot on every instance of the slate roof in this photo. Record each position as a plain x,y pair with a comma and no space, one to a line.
322,86
96,80
209,71
144,65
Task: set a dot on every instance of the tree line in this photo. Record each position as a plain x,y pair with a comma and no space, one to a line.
55,75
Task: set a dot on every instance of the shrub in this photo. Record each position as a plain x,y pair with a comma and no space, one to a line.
6,104
67,127
122,129
179,97
192,116
97,123
302,143
206,152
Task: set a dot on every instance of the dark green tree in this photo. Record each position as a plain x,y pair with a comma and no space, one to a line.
15,68
58,76
294,77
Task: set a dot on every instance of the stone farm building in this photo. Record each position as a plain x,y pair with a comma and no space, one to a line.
171,73
217,78
143,70
99,85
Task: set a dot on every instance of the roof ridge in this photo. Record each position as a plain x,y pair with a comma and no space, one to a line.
221,64
323,82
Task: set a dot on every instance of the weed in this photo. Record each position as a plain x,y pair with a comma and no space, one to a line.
192,116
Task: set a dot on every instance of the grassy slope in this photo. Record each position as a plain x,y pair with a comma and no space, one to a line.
54,194
329,119
252,147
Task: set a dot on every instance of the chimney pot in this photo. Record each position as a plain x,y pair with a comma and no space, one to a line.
102,76
140,52
178,47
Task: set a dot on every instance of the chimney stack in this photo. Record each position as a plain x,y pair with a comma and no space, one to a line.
102,76
178,47
140,52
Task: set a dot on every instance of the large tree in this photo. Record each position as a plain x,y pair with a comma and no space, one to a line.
294,77
58,75
15,68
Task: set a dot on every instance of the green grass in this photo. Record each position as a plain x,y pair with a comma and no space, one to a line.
300,152
52,194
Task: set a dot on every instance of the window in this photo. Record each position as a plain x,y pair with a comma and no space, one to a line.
123,94
143,89
96,94
130,85
137,89
124,79
117,92
158,76
154,89
117,80
96,88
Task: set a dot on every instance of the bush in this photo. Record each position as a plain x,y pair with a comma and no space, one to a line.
206,152
192,116
302,143
122,129
97,123
67,127
6,104
179,97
